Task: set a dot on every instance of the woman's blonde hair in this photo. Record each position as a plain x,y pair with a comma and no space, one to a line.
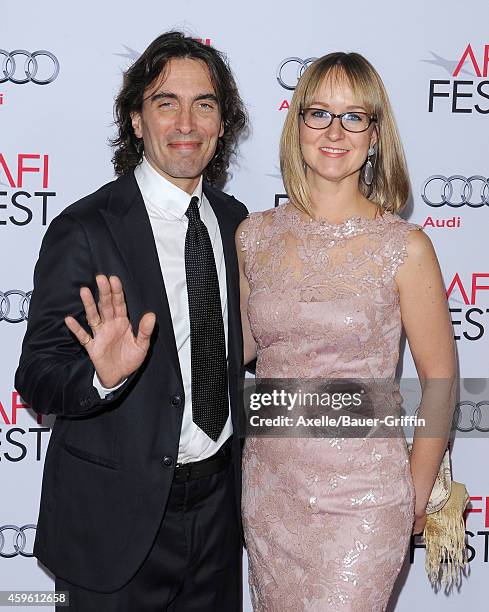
390,186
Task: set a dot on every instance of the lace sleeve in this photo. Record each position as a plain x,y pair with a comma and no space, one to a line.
249,236
396,248
249,231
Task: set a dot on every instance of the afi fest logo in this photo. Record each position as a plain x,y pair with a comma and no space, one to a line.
467,90
24,189
24,435
477,528
465,293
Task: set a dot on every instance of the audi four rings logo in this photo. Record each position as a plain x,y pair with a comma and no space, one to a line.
13,541
456,191
468,416
291,70
14,305
21,66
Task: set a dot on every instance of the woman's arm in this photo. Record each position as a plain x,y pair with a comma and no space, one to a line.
249,344
426,320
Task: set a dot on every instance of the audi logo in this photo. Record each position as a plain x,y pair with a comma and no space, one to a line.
14,310
470,418
291,70
13,71
17,543
456,191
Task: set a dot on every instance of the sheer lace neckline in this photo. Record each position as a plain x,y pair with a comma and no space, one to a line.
349,225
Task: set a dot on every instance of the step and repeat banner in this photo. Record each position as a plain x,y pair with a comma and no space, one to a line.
60,67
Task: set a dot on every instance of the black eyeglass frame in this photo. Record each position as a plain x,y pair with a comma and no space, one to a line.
371,118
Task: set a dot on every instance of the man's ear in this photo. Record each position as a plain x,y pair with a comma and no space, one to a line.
221,131
136,124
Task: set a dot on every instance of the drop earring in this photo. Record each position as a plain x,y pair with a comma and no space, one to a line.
368,173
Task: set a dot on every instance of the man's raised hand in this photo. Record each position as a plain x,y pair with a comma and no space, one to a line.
112,347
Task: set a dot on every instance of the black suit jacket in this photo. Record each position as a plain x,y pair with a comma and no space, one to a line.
109,463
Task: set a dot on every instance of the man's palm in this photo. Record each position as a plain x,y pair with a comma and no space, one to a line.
114,350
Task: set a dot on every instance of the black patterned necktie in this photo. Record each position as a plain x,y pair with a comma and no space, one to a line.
207,341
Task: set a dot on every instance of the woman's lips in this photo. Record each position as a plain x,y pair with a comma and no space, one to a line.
333,152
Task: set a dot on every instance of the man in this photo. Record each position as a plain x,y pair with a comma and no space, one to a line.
141,488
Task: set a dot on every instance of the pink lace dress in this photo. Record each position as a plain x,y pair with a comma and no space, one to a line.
327,521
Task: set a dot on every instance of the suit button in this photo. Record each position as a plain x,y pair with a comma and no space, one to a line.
176,400
167,461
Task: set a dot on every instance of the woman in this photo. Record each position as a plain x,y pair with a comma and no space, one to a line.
327,282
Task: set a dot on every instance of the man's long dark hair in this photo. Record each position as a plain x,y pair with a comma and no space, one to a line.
145,70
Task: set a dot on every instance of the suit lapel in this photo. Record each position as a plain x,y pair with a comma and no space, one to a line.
129,224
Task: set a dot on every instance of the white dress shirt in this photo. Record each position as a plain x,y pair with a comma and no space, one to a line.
166,205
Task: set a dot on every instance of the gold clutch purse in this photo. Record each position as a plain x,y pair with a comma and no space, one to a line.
444,532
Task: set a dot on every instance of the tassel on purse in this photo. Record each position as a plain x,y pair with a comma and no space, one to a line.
444,532
444,536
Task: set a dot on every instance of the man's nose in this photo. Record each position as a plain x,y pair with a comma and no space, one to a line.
185,120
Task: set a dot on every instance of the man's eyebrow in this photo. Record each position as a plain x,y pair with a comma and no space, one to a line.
166,94
162,94
206,96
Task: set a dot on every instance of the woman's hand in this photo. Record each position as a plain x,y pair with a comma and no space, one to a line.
419,522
